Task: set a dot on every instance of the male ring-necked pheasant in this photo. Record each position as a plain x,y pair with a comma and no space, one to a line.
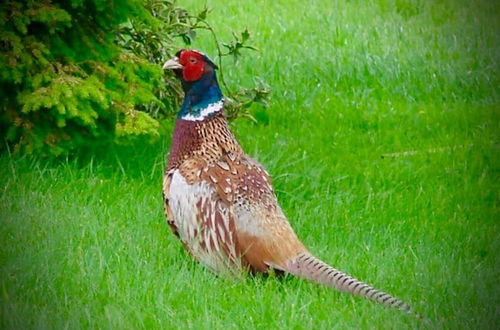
220,202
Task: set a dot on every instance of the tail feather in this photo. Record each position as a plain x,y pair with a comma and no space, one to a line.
309,267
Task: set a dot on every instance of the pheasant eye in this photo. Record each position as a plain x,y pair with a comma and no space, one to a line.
192,60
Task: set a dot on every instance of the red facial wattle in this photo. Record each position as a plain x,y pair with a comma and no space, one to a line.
193,63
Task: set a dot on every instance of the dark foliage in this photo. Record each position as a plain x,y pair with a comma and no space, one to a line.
75,73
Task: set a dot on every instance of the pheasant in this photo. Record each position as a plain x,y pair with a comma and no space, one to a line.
220,202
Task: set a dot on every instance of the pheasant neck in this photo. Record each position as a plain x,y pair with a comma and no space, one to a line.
203,99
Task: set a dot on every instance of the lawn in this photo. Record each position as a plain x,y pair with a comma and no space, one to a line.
85,245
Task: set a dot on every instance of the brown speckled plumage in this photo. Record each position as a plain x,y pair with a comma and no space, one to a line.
195,139
207,152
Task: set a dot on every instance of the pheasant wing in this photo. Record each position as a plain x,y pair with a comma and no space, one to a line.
263,234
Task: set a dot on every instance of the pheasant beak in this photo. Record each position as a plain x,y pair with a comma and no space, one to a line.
172,64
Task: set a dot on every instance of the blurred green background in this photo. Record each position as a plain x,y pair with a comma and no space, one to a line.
84,243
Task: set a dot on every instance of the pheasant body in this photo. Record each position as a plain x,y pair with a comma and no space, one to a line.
220,202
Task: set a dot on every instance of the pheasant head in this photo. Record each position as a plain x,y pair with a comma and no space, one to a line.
203,97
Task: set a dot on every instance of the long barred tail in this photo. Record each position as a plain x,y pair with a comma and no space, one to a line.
309,267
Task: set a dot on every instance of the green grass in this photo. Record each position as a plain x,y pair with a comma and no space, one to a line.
84,243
